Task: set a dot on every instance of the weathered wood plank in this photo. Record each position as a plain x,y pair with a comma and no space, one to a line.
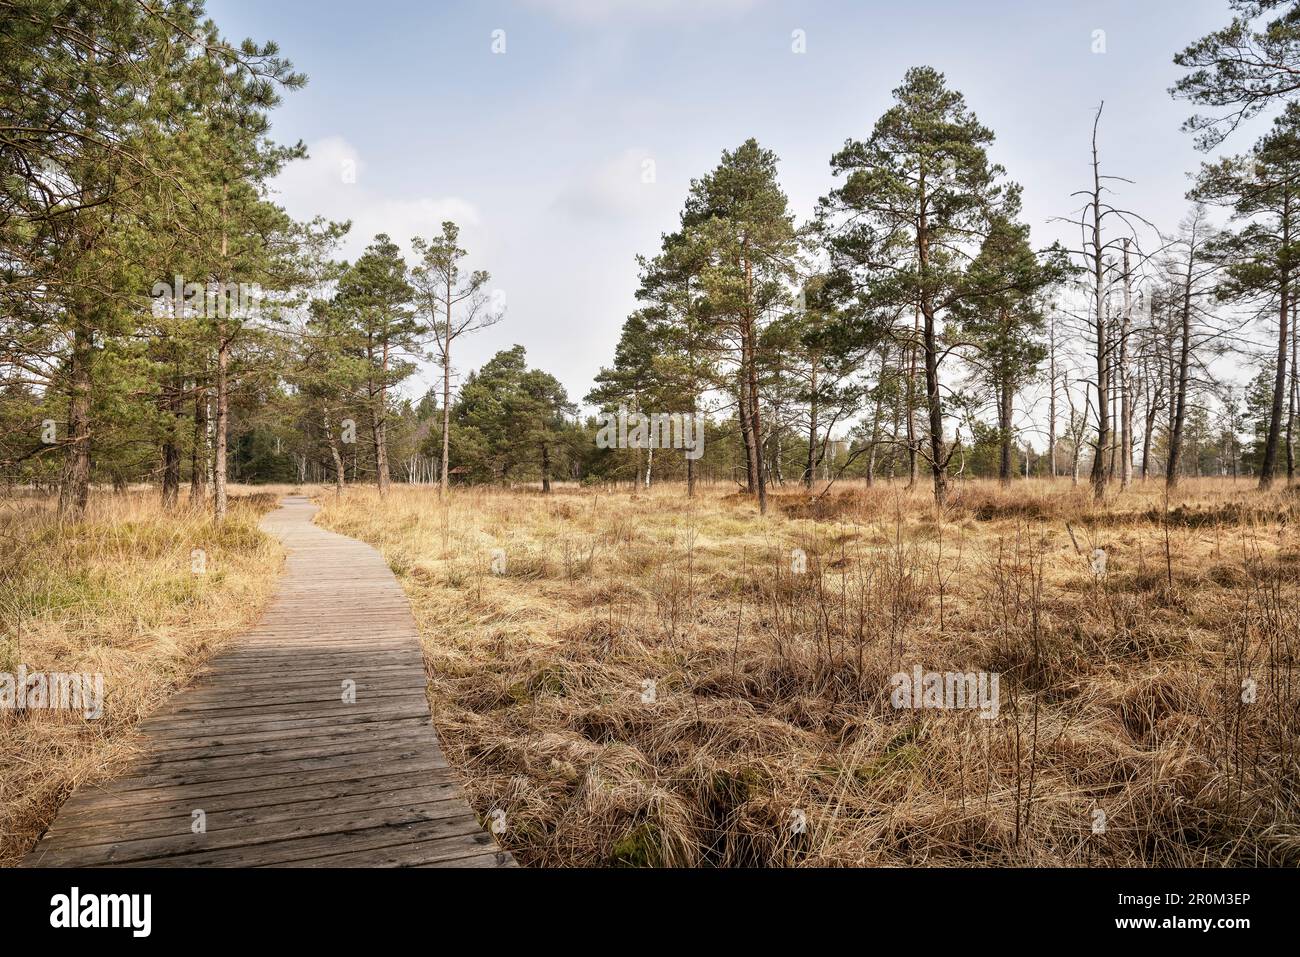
259,831
473,840
352,778
90,815
236,819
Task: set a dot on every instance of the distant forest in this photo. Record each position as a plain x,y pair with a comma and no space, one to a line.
165,321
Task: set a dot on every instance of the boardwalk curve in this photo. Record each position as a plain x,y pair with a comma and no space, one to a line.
264,763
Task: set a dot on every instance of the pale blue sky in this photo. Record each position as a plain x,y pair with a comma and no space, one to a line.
539,151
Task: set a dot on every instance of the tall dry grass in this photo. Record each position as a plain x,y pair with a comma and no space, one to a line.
770,738
114,593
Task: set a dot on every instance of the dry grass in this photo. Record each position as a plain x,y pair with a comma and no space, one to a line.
1119,694
112,594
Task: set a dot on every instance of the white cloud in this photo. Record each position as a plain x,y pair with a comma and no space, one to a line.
336,182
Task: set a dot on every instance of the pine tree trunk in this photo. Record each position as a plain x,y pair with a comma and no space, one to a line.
171,449
223,409
755,422
446,391
1004,433
380,420
74,487
223,386
749,368
938,466
1269,465
812,429
777,475
1051,399
334,454
746,433
875,419
1293,395
199,451
913,466
933,401
171,469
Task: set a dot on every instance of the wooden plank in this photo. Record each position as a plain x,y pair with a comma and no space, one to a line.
473,840
195,794
291,716
89,815
440,852
165,744
318,692
285,750
235,667
295,746
342,720
214,681
285,771
249,837
89,834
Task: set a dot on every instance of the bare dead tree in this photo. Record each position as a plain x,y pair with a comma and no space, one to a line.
1096,252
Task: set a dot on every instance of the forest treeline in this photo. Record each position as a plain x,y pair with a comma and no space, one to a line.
164,320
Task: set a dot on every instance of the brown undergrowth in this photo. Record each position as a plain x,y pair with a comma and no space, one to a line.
651,681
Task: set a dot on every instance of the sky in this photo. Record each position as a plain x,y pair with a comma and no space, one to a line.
563,136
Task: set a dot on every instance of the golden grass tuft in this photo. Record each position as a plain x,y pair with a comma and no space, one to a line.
114,594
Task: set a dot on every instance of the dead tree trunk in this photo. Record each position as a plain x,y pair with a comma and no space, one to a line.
1099,328
1125,386
1179,398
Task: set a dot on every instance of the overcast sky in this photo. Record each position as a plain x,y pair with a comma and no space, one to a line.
539,151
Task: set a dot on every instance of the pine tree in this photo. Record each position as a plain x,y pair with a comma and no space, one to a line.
1002,317
631,383
686,342
512,419
737,219
375,296
1263,191
1245,67
914,195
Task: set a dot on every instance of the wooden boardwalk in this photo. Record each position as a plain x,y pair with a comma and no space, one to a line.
265,752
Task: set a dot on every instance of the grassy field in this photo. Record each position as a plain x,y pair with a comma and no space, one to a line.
650,681
123,594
